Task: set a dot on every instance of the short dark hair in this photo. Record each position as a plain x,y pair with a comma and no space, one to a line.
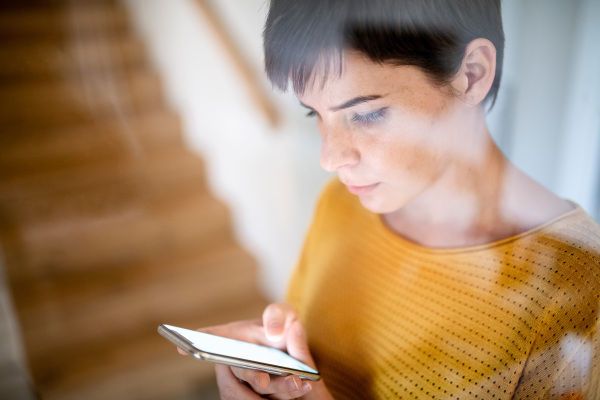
429,34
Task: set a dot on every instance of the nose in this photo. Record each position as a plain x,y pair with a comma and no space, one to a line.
337,149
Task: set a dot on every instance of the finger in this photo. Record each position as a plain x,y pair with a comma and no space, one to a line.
259,381
288,387
277,387
276,319
230,388
297,344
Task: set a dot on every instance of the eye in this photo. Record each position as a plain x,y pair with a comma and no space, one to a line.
311,113
370,117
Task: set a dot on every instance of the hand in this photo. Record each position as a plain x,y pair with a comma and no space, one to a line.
241,383
281,329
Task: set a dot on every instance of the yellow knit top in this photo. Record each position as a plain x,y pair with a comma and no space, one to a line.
389,319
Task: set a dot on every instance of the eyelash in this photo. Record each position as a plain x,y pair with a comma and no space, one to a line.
361,118
370,118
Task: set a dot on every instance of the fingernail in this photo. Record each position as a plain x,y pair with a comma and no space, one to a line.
275,330
291,384
306,387
275,327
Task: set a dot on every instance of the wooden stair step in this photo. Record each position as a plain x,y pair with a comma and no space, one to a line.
94,98
173,289
144,367
116,240
100,189
34,295
133,168
28,152
58,20
44,58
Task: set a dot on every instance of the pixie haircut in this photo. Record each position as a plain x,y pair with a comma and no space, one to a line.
429,34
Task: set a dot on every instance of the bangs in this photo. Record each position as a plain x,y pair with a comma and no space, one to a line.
305,40
303,44
308,72
298,46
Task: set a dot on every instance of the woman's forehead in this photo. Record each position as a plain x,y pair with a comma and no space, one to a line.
355,71
362,78
330,70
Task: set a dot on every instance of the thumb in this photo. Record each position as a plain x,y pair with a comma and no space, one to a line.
276,319
297,344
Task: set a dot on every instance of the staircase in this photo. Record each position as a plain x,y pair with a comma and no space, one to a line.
106,224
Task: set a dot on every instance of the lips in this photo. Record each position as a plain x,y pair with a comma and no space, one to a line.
360,190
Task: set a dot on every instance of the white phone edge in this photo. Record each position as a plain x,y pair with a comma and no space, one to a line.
190,349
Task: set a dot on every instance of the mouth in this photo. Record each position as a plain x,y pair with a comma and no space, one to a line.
360,190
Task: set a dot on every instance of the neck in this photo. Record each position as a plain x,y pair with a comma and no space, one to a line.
459,209
472,202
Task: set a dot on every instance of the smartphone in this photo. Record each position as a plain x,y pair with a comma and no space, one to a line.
236,353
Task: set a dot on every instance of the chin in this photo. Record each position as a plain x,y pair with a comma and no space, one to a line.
377,206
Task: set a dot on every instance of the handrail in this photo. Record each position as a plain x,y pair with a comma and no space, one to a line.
259,96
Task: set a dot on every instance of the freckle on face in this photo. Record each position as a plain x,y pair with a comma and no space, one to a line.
408,152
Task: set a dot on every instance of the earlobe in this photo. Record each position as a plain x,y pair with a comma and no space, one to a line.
477,71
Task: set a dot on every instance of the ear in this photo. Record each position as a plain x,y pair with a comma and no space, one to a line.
476,74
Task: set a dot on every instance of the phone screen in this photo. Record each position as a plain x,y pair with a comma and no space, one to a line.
235,349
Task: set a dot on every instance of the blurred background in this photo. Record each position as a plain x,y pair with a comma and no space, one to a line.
148,175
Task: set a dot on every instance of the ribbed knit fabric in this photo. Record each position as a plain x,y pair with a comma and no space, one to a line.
387,319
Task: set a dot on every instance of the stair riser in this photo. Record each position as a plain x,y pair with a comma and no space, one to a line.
72,147
116,241
100,190
80,20
43,61
105,97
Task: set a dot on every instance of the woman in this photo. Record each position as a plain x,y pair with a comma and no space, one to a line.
434,268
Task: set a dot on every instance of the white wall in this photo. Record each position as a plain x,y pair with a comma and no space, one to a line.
270,178
547,118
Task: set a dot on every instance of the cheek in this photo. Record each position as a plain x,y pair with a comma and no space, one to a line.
416,153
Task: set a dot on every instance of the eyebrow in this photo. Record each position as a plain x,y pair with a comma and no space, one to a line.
354,101
350,103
